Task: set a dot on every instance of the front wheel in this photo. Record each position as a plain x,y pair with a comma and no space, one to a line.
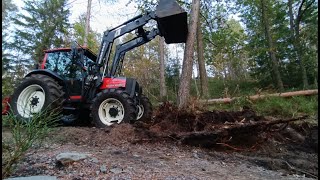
145,109
112,106
36,93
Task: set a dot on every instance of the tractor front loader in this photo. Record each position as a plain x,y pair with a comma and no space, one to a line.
75,80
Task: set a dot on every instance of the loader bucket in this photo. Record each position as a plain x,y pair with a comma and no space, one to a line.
172,21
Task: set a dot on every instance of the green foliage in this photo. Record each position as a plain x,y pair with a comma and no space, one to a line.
224,38
23,136
7,86
275,106
79,33
142,63
231,88
277,12
42,25
287,107
8,12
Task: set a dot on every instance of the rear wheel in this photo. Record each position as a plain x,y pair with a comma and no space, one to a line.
112,106
145,109
36,93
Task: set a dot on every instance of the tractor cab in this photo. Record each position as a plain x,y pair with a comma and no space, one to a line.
60,61
72,67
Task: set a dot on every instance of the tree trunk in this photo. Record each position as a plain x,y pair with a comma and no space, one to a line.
291,18
202,66
295,37
300,59
186,75
262,96
271,46
87,23
163,88
316,69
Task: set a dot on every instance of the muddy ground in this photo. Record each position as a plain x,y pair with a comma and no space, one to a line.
176,144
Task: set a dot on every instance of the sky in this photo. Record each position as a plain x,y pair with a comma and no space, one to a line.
104,15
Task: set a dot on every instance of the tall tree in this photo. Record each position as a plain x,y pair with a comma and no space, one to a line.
186,74
272,53
163,88
201,62
295,23
87,29
8,12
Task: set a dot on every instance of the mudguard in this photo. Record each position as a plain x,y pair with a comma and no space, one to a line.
49,73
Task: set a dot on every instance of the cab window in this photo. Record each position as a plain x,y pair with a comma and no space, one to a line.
60,62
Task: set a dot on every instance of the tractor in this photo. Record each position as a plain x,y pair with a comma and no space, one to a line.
75,80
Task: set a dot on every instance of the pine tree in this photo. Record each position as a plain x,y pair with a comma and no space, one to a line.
43,27
8,12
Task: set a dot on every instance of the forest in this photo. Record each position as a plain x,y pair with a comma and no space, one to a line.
252,45
245,81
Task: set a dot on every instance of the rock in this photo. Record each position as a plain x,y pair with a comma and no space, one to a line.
34,178
103,169
95,160
116,170
195,155
66,158
117,152
136,156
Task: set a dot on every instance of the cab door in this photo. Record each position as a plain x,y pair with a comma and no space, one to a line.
69,69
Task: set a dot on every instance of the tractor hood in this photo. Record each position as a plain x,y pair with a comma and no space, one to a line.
172,21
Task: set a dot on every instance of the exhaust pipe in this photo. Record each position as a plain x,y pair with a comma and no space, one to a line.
172,21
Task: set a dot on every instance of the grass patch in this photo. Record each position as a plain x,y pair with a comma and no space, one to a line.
288,107
275,106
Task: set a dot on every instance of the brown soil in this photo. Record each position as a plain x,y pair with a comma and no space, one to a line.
183,145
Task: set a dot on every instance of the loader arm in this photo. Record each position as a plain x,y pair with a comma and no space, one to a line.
129,45
171,21
111,35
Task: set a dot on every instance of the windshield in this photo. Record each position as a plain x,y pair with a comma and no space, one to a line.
60,62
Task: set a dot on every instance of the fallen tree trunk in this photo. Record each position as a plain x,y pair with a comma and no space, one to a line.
261,96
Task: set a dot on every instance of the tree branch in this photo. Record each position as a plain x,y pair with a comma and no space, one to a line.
307,7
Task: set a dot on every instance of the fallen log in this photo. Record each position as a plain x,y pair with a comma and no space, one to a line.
261,96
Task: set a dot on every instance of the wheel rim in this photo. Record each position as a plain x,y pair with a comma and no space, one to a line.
30,101
110,111
140,112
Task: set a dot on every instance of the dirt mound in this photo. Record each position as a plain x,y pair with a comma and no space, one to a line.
168,118
205,128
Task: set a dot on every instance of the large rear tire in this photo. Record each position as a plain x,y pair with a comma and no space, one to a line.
145,109
112,106
35,94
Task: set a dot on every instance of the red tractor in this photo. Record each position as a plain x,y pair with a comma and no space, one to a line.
75,80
